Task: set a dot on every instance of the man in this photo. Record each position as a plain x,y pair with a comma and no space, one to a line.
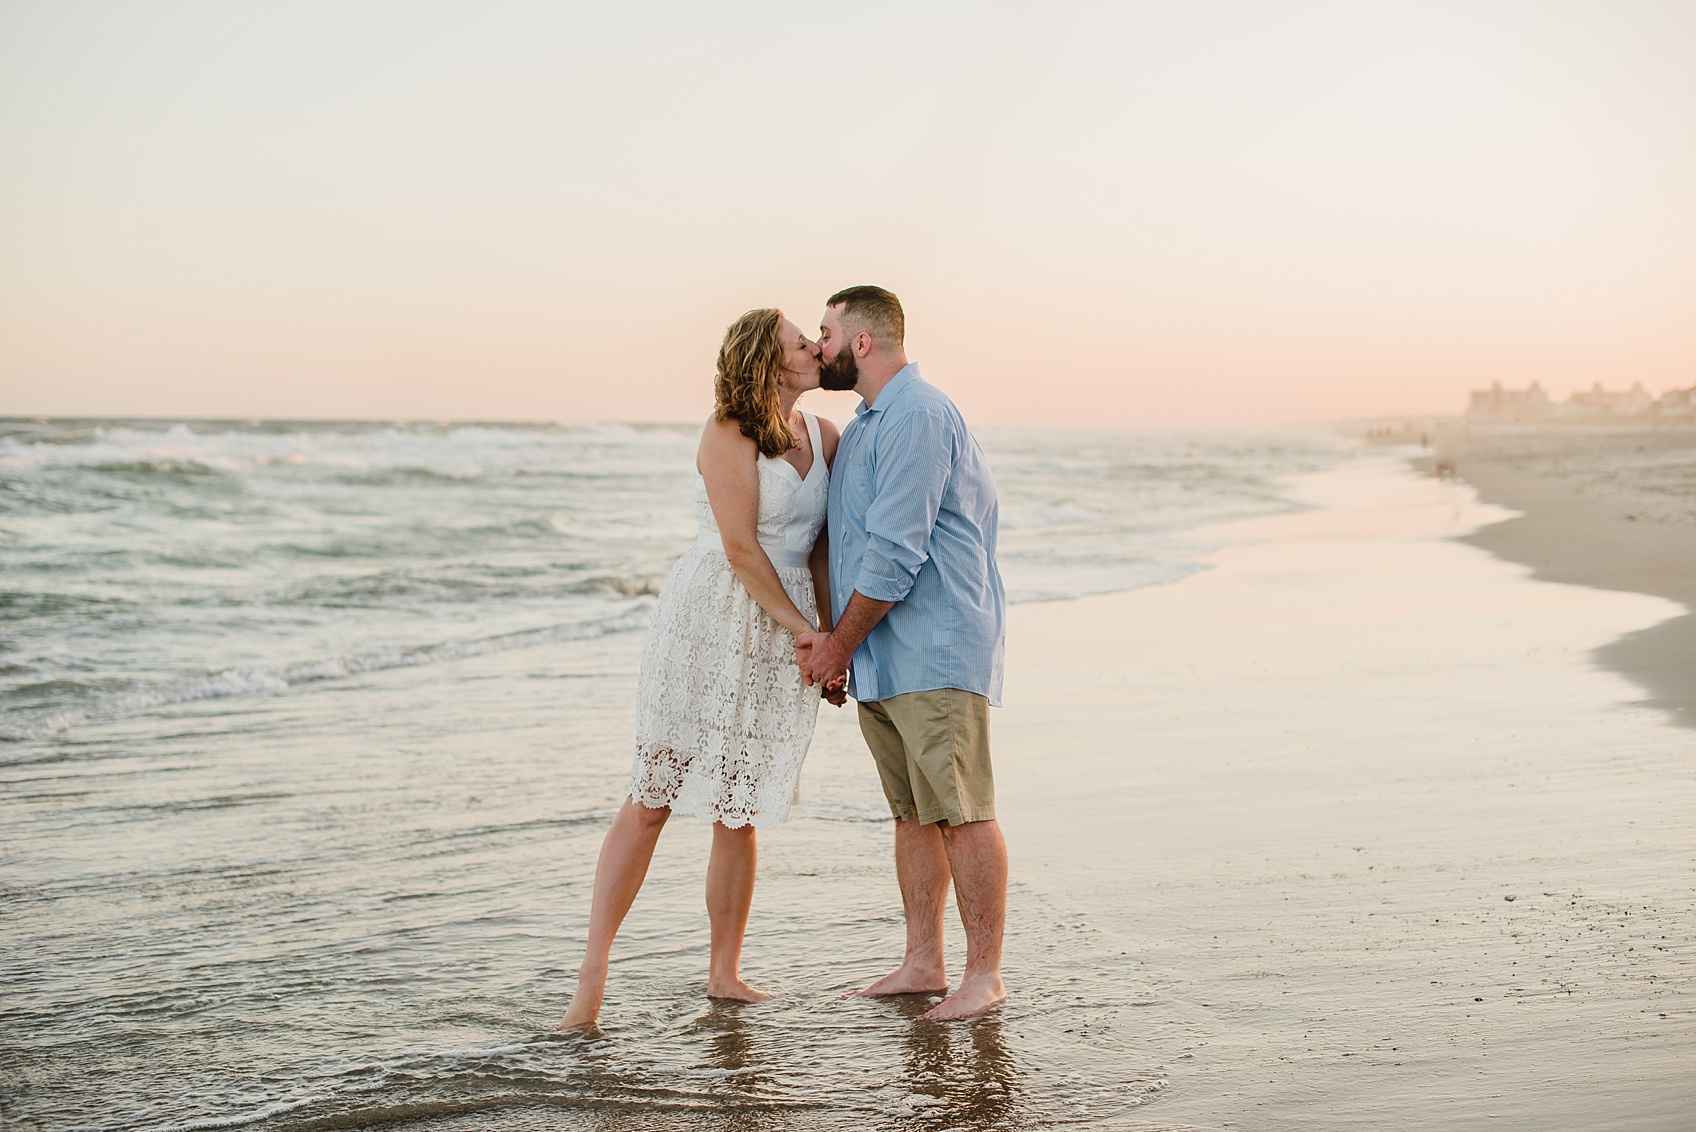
920,619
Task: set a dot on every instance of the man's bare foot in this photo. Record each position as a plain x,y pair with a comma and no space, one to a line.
586,1003
976,995
909,978
735,990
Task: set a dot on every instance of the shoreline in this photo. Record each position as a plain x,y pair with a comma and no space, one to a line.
1378,844
1588,518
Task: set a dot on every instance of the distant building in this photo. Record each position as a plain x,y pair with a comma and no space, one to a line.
1502,406
1601,402
1677,403
1509,404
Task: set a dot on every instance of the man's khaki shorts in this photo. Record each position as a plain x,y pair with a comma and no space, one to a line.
932,752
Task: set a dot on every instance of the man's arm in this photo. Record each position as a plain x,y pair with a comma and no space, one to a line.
825,656
914,463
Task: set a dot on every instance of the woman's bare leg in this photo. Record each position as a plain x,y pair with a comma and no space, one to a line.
625,854
730,890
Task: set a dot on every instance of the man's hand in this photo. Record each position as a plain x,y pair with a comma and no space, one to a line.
820,658
804,652
824,657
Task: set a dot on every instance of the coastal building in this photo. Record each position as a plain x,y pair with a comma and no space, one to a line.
1507,406
1677,403
1599,402
1496,403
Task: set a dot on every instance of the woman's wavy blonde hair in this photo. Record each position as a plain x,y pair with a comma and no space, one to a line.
750,365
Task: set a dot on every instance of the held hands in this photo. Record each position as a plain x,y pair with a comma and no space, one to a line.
835,692
823,662
819,658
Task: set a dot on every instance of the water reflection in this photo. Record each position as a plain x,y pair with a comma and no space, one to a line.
961,1074
730,1049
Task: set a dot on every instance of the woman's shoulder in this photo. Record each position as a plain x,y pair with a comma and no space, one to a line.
723,445
724,432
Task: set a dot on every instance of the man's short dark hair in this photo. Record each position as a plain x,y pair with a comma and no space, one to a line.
874,309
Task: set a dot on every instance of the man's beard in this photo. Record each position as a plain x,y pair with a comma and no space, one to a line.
840,372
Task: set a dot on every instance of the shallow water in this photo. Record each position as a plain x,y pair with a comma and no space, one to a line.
314,736
219,914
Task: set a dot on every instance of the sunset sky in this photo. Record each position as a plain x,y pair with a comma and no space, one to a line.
1137,214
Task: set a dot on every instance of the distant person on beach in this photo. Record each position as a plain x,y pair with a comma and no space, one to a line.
920,618
723,719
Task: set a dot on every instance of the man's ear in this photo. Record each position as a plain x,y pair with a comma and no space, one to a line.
862,345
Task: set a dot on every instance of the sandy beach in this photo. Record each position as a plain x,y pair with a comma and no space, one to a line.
1387,848
1613,507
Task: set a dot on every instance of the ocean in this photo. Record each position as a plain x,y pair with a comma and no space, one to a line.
308,735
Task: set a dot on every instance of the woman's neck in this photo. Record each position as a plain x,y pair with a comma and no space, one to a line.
786,402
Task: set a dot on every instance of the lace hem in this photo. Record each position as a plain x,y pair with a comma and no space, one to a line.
759,790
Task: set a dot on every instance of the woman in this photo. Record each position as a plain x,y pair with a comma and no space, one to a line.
723,719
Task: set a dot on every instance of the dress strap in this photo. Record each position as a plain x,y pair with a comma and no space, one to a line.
818,446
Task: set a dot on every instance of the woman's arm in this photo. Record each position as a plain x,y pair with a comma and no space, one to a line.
728,463
819,563
835,690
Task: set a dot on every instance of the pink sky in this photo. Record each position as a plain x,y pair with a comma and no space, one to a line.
1146,215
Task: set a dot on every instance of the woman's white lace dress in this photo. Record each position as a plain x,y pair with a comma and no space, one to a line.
722,717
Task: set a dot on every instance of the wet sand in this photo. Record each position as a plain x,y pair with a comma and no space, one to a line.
1613,508
1387,848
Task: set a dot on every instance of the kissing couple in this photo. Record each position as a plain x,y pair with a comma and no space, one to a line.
825,567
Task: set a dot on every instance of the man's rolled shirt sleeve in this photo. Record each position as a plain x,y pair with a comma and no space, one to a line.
914,457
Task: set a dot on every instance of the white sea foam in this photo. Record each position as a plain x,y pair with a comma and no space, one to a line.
462,451
261,681
239,1120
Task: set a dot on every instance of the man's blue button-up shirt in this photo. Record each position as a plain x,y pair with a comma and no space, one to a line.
912,520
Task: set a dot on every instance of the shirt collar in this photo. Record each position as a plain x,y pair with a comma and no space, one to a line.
904,377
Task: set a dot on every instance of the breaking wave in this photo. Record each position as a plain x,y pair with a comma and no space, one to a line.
271,681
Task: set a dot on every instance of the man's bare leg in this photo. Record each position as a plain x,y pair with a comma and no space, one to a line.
625,856
977,856
730,892
921,868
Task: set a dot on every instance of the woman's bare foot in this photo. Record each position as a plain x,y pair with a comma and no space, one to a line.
736,990
586,1003
977,994
909,978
